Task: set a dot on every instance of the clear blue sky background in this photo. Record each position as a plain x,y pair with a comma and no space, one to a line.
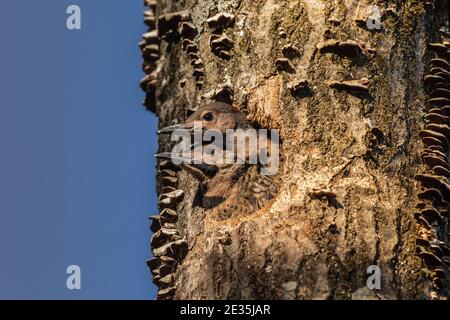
76,158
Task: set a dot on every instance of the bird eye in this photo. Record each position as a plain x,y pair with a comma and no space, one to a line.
208,117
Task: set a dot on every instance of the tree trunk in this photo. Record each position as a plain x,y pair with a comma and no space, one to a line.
360,183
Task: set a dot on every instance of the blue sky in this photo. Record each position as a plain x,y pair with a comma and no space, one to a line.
76,162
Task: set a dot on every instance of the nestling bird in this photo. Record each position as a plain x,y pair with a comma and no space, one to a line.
234,187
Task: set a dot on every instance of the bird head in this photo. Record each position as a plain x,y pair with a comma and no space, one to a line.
216,179
214,116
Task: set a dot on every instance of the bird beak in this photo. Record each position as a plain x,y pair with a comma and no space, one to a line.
172,156
197,173
174,127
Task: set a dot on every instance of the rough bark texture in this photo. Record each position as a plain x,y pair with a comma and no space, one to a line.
349,102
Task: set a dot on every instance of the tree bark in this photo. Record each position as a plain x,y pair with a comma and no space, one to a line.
350,103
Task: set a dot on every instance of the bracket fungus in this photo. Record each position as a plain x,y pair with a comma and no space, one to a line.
150,19
169,22
349,48
427,134
197,73
432,80
440,49
437,118
152,4
439,102
151,37
300,88
188,33
164,235
290,51
432,141
169,181
150,54
224,93
191,48
155,225
166,293
352,86
433,161
168,189
432,195
221,45
282,64
187,30
441,63
148,83
442,171
165,164
440,92
432,215
432,181
441,73
430,259
168,172
440,128
168,216
197,63
221,20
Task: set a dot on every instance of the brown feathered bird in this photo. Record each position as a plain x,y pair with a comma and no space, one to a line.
234,188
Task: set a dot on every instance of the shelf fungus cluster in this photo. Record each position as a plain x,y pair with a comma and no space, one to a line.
168,247
432,213
347,49
150,53
172,26
188,33
289,52
168,24
220,43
